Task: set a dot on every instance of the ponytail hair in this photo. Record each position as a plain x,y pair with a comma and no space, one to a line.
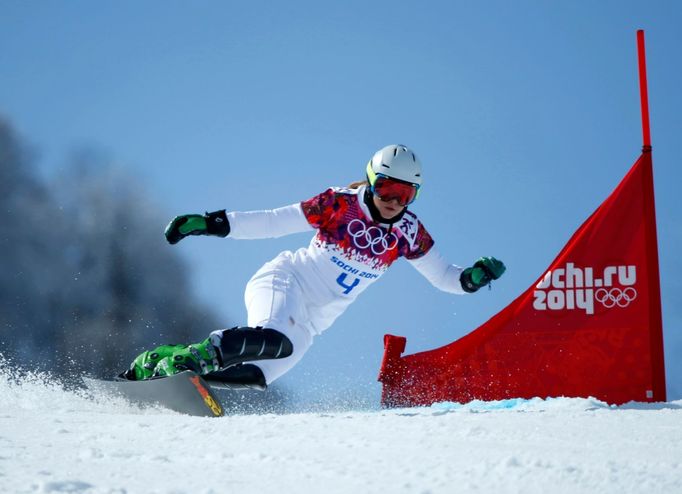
358,184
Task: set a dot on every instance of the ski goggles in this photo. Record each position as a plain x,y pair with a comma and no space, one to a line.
388,189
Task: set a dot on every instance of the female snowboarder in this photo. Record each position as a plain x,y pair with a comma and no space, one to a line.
360,231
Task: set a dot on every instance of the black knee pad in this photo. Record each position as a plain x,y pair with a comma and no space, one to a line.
243,344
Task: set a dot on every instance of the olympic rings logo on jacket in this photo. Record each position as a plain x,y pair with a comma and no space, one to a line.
373,237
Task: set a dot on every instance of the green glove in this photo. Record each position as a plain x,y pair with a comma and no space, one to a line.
483,272
215,223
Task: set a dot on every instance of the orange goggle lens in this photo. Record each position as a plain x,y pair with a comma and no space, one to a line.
389,188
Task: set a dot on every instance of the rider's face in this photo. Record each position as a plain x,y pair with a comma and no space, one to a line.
388,209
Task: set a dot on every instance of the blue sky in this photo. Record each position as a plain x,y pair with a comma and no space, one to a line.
525,115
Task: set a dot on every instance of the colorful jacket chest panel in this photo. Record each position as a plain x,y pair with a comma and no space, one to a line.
347,231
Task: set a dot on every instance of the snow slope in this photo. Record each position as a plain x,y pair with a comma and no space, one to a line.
57,440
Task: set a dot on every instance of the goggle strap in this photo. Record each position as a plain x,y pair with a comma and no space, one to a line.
371,176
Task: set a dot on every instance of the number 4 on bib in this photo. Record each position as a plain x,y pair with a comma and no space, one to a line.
341,280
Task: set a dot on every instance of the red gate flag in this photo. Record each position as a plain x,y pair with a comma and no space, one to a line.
590,325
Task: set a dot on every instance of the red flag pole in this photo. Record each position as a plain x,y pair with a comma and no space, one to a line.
643,93
655,315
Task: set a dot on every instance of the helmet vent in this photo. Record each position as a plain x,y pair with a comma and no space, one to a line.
395,151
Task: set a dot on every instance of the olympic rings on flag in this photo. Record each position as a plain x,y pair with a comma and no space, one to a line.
615,296
372,237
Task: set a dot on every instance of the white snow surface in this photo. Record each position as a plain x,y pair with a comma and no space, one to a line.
57,440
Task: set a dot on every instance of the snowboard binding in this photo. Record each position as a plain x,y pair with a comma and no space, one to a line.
238,377
220,351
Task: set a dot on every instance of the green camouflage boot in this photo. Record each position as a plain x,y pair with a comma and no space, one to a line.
167,360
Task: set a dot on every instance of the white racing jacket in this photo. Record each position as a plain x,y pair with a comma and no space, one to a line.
349,252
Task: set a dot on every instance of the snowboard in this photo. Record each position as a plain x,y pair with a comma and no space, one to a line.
185,392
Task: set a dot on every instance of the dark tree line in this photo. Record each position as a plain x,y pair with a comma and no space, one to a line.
87,280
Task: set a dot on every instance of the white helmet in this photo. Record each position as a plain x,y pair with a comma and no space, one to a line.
395,161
